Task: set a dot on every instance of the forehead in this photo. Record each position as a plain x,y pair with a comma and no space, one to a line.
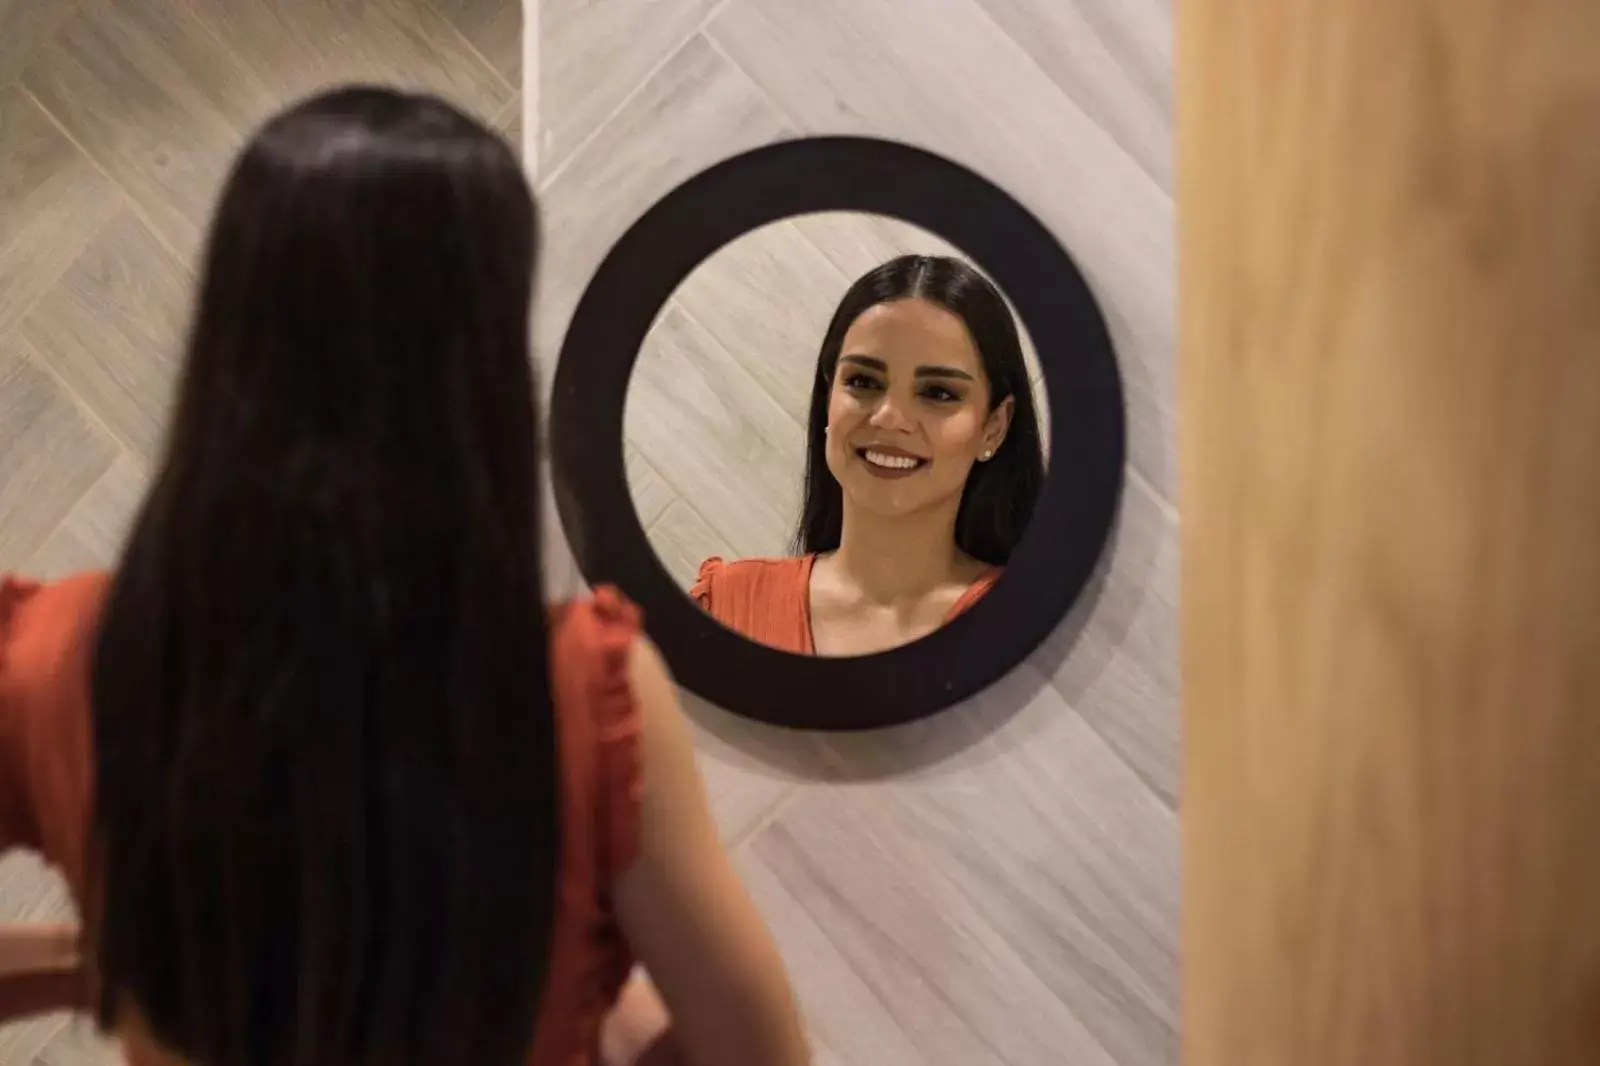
912,333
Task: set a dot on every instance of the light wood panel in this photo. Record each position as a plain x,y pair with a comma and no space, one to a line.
1391,461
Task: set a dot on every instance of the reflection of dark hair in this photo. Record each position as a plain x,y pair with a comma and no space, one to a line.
325,821
999,495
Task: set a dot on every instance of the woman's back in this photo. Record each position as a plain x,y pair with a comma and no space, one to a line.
47,767
334,786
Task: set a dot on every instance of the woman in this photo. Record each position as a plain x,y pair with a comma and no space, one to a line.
332,785
923,463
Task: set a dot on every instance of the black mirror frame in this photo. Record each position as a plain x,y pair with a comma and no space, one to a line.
1077,506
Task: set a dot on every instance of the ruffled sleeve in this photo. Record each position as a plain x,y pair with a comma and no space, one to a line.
45,636
701,591
616,627
19,824
45,753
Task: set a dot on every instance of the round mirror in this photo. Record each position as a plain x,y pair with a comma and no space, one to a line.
834,434
803,414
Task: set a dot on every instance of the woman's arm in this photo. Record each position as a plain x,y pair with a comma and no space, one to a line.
39,970
687,915
638,1031
31,947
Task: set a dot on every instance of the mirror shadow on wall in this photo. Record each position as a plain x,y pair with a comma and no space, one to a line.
835,434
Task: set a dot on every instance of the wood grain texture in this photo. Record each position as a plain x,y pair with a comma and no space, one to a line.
891,71
298,47
55,201
684,539
767,298
1391,484
92,535
26,26
623,44
696,108
1015,902
493,28
112,330
1114,59
734,451
49,455
145,90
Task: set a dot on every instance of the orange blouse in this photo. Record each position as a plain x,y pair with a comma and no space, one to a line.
47,774
769,600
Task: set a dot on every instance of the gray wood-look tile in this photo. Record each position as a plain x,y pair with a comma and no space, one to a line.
651,495
615,48
509,124
112,330
54,202
855,243
1120,670
91,537
683,540
767,298
49,454
146,90
30,891
961,86
716,436
493,28
695,109
1114,59
296,47
1016,904
79,1043
25,27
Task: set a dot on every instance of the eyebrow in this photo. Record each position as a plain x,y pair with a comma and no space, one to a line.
922,371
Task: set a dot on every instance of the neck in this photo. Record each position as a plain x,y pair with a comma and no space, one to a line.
891,559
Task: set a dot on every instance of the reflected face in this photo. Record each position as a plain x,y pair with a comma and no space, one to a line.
908,411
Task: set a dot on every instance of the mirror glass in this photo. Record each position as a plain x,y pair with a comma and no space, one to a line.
835,434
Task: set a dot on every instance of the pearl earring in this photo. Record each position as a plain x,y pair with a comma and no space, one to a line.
987,455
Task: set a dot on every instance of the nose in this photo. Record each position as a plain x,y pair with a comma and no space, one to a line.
890,416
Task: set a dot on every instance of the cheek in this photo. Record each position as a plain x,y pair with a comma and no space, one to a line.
842,419
959,435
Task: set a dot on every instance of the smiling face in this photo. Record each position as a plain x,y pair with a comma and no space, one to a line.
908,409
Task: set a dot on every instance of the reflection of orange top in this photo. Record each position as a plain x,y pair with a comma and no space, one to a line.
47,774
769,600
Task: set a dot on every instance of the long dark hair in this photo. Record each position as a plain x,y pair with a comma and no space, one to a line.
325,821
998,499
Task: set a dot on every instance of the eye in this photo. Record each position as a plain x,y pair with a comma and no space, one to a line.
859,381
941,394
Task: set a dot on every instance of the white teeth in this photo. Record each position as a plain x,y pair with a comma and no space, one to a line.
893,462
